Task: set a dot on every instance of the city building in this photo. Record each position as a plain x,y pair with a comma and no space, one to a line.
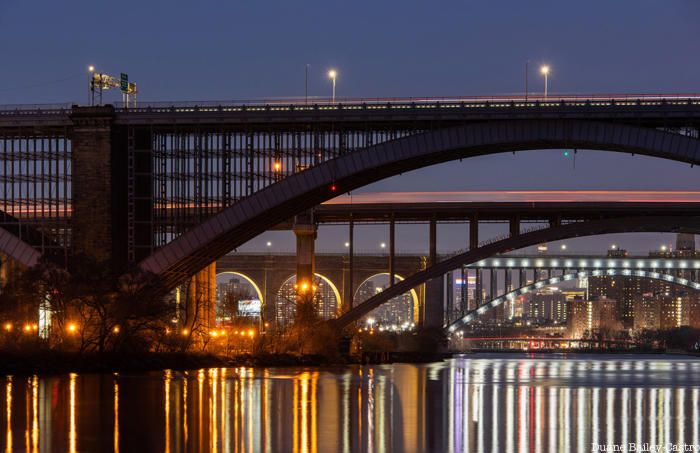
592,316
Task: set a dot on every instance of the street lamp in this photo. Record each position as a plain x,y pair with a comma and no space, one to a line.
563,246
545,72
333,74
91,84
383,245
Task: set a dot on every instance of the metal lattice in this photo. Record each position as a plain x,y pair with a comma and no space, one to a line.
196,173
35,185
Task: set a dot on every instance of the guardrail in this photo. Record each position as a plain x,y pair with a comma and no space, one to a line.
349,104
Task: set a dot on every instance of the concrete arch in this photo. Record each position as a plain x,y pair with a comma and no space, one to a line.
334,288
235,225
556,233
414,295
249,280
466,319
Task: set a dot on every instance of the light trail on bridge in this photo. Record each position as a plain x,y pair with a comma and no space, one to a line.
522,196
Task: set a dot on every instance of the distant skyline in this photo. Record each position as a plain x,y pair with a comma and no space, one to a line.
211,50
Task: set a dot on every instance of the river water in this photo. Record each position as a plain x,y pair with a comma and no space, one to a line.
475,403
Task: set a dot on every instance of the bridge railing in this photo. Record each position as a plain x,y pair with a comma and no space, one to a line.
349,104
35,109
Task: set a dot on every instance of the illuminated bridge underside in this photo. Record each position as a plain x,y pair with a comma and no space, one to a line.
586,262
213,238
472,315
555,233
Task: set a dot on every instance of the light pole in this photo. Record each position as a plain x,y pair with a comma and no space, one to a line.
545,72
91,85
333,74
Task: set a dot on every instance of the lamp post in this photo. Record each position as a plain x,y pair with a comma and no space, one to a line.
333,74
91,85
545,72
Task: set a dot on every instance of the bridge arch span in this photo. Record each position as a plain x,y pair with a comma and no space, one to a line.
660,224
414,294
324,279
242,221
493,303
250,280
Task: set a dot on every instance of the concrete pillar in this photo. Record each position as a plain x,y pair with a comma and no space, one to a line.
392,251
473,233
514,227
112,190
92,217
349,293
305,232
434,311
201,301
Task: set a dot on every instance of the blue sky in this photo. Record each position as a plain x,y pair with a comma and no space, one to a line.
216,50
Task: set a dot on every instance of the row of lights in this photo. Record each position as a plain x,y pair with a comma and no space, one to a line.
220,333
33,327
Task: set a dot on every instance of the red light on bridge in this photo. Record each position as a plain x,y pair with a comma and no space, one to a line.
334,187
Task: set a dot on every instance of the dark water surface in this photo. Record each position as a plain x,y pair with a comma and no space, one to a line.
489,403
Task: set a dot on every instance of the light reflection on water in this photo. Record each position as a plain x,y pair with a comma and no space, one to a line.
474,403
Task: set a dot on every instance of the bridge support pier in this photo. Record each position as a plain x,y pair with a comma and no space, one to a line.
305,232
434,311
200,315
349,289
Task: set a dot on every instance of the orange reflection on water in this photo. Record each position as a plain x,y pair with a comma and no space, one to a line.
8,403
166,385
116,415
35,414
72,434
304,406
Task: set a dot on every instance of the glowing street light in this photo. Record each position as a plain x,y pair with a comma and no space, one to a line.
545,72
72,328
383,245
269,243
333,74
91,84
347,244
563,246
664,248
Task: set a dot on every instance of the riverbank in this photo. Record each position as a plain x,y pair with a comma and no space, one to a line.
56,362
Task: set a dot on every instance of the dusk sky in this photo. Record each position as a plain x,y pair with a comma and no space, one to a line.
209,50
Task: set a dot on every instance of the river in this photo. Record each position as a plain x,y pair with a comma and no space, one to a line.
475,403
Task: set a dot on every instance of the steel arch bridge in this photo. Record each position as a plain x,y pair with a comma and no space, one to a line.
187,183
495,302
553,233
246,219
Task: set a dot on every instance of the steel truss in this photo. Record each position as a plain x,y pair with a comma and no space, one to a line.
196,173
35,187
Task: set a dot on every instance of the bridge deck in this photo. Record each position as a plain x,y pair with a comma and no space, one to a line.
412,111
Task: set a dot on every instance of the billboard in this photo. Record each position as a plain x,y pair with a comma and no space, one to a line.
249,307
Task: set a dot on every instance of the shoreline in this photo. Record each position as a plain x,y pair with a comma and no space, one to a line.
50,363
